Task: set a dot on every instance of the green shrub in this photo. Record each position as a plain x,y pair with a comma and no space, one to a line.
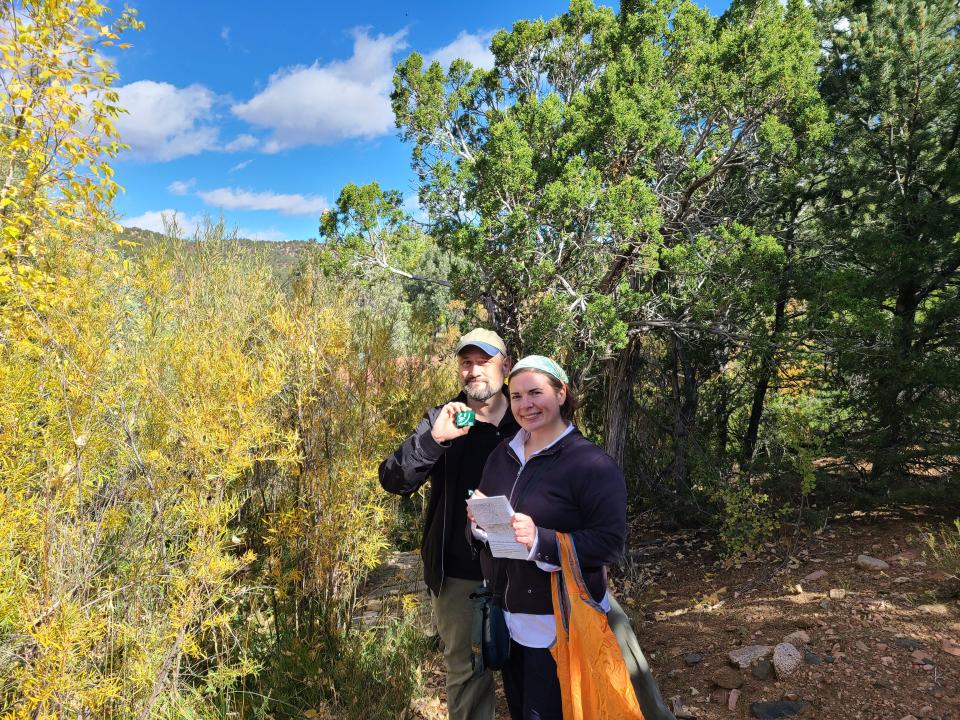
748,515
359,674
943,552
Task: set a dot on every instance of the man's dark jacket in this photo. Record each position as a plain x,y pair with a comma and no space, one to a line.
453,469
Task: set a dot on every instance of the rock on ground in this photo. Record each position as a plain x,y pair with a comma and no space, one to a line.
692,659
800,637
732,699
743,657
727,678
779,709
786,659
763,670
908,643
871,563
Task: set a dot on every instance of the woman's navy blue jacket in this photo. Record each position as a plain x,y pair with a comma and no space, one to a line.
572,487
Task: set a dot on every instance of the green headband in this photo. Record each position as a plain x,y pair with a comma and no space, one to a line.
543,364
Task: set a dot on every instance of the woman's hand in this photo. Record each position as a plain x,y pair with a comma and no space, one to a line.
524,530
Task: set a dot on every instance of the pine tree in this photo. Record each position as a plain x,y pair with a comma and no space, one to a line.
892,222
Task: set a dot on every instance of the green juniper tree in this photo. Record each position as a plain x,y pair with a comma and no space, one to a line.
605,181
370,236
892,224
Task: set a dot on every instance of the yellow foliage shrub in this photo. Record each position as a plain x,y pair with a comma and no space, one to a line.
126,442
323,521
188,451
185,450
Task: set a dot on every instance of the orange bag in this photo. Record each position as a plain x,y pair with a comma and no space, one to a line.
594,682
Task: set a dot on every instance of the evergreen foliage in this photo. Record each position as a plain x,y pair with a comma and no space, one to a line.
890,222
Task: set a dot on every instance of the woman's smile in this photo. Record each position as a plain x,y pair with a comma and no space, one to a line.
536,403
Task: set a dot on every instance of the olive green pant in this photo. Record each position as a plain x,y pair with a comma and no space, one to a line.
644,686
469,696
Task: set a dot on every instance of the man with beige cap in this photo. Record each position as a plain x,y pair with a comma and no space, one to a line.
451,458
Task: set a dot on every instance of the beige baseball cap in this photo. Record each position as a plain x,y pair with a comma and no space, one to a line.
486,340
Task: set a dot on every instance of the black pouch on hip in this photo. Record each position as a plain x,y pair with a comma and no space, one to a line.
490,639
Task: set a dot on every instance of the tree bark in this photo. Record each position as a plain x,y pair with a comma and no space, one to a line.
768,367
722,413
686,396
621,372
162,674
888,453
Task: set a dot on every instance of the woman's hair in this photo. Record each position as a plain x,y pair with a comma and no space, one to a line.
570,403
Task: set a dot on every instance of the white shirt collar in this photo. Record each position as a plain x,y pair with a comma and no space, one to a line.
521,437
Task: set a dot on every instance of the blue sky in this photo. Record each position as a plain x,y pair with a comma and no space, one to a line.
263,112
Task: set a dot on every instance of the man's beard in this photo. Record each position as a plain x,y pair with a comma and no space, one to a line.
479,390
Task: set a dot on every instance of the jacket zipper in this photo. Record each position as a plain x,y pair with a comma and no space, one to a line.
506,589
443,529
554,449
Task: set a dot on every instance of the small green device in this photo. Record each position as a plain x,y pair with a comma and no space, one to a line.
465,418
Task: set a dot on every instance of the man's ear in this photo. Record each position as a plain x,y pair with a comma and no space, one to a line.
507,364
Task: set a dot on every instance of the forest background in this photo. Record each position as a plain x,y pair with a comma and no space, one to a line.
740,233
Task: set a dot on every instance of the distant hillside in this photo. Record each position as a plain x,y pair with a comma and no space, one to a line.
282,256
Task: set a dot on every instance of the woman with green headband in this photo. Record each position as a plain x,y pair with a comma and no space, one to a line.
557,481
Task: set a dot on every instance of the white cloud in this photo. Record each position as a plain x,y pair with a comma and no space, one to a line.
156,221
226,198
473,47
271,234
225,35
181,187
411,205
240,166
324,104
164,122
236,199
318,104
241,142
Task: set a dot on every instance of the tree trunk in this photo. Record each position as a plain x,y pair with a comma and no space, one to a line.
621,371
888,454
768,367
722,413
686,396
163,673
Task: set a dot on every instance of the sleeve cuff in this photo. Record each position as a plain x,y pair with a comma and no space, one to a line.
430,448
545,549
533,548
534,555
478,532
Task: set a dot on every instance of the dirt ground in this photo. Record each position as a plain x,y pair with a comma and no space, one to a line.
883,644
